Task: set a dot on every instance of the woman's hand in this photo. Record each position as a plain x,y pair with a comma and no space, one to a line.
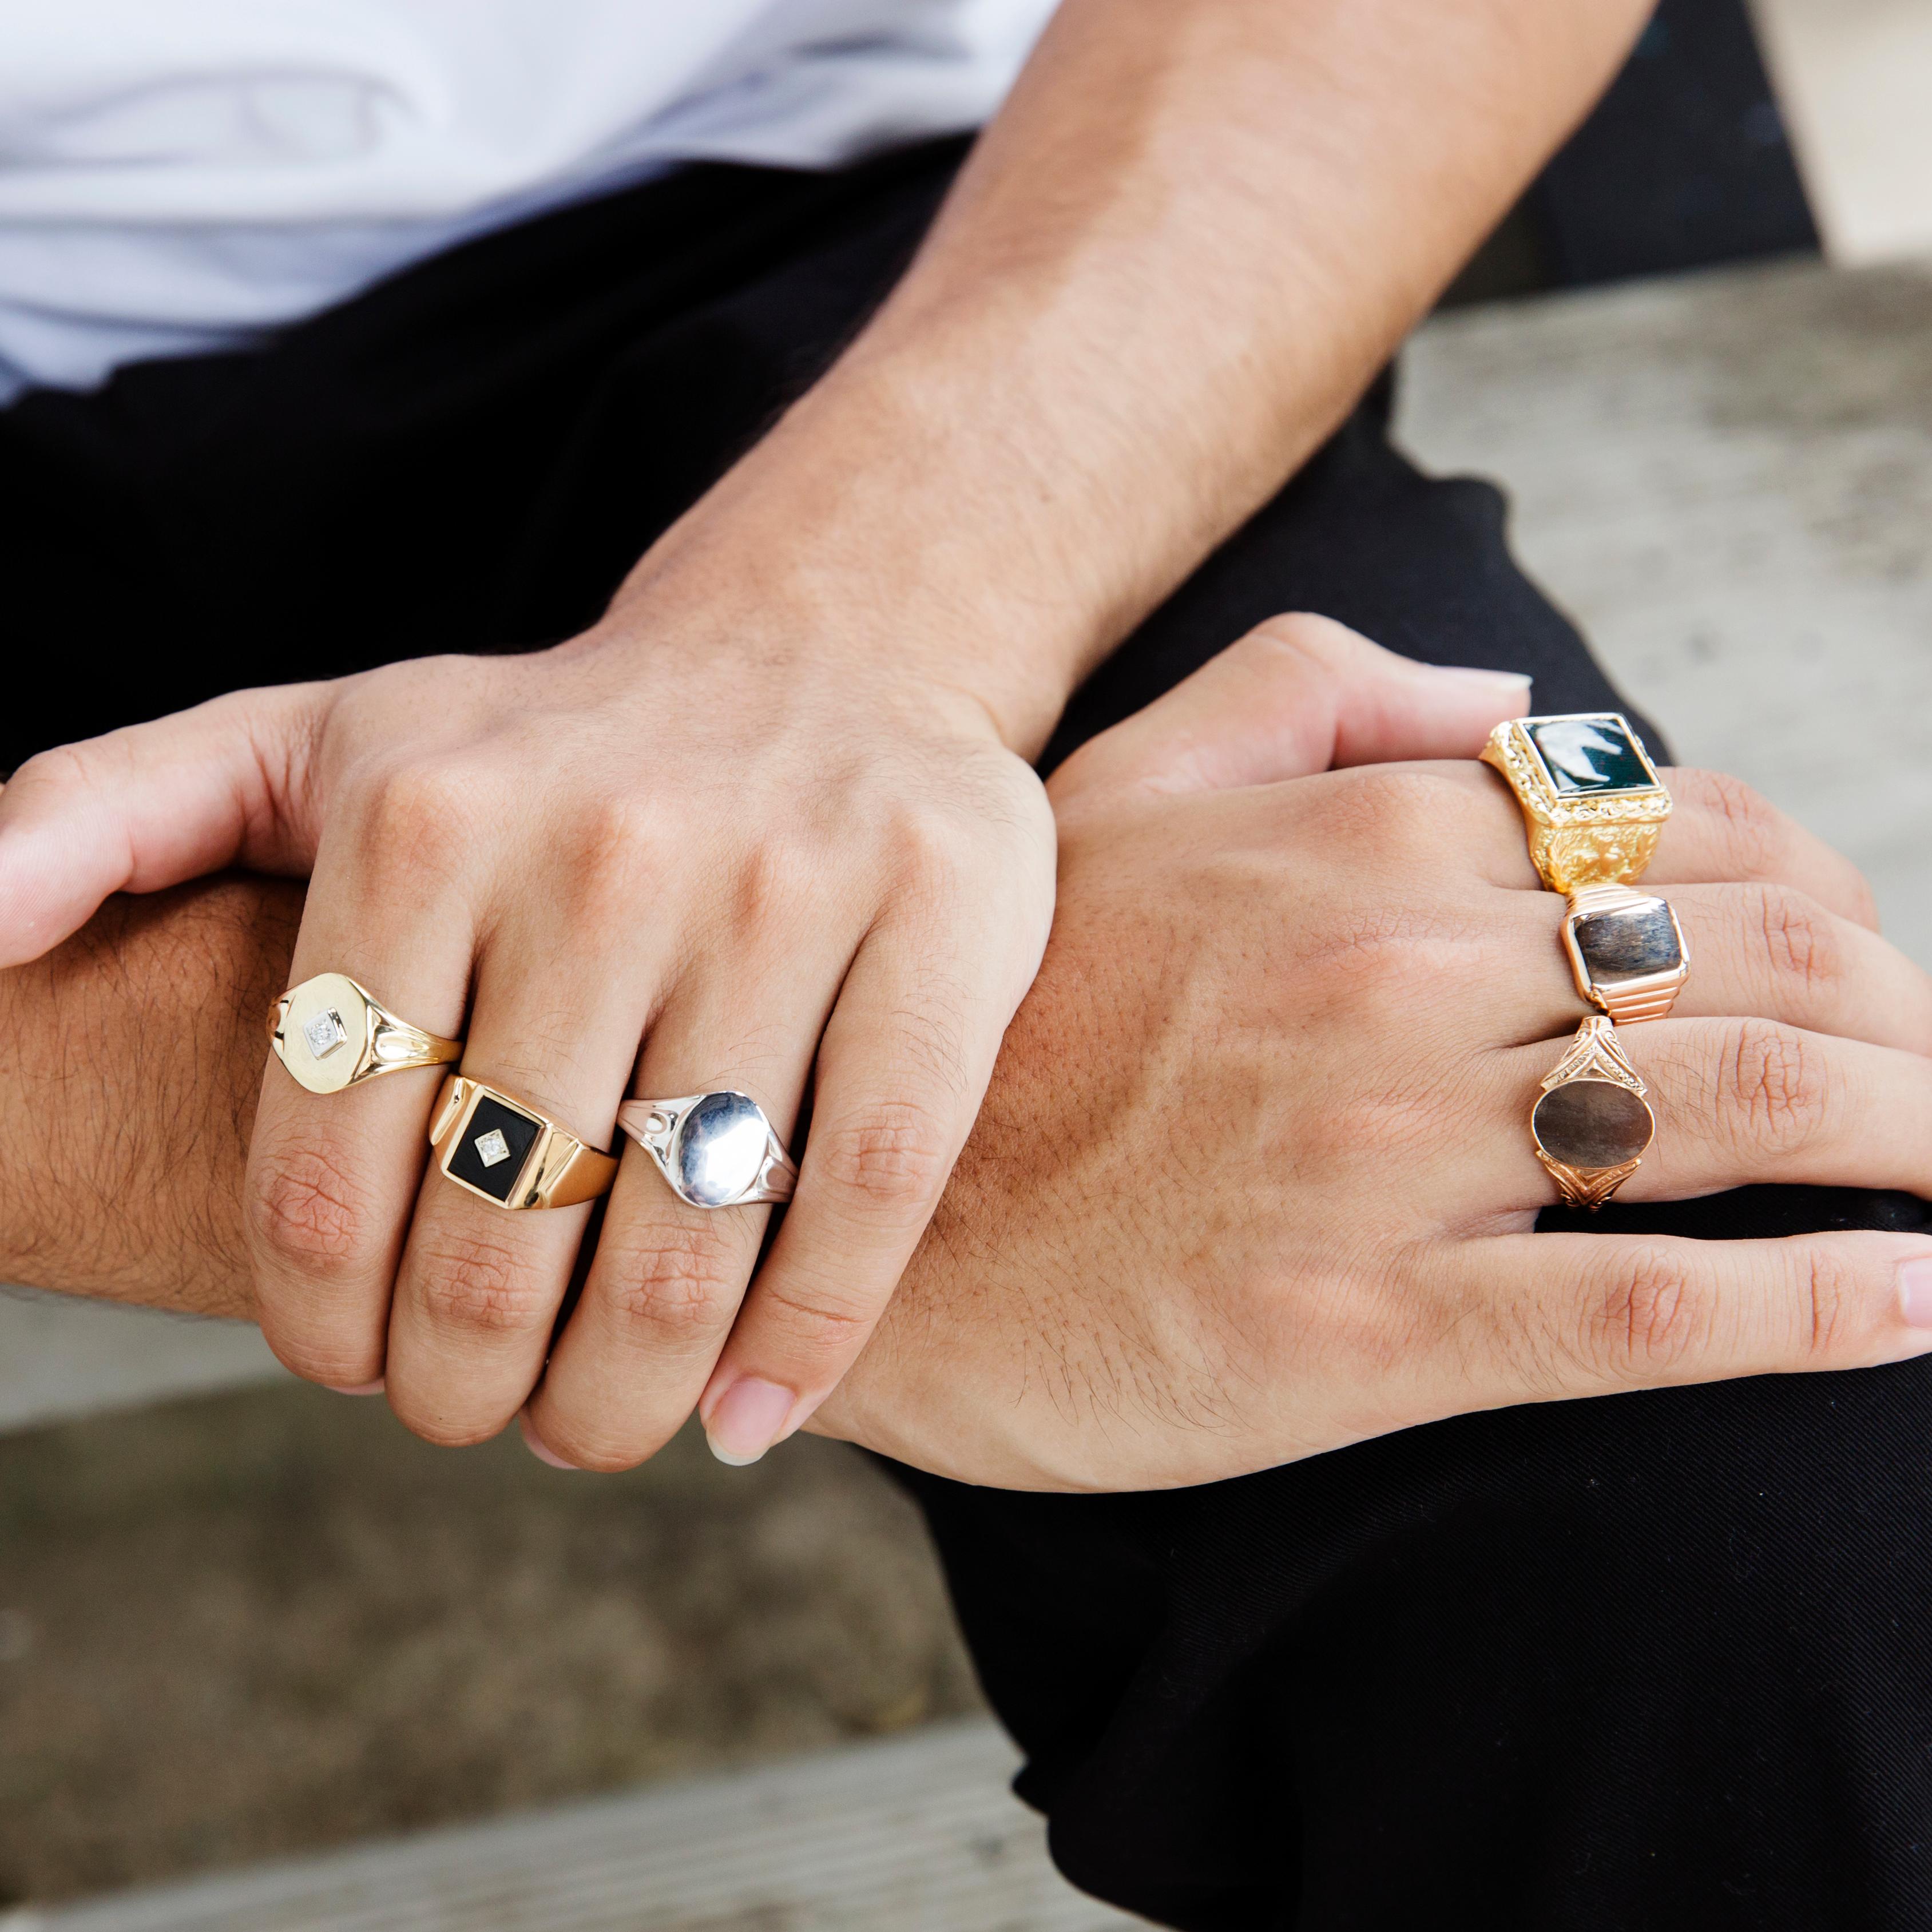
776,872
1254,1178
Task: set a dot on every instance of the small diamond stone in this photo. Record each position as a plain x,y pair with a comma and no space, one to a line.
492,1150
325,1034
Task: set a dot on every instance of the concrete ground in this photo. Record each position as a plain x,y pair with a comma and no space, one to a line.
259,1622
240,1626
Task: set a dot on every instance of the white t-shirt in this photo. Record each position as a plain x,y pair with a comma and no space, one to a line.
176,175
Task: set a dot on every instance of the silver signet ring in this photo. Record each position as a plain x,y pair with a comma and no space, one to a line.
717,1149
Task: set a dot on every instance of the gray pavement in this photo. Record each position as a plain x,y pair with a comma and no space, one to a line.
1727,479
919,1834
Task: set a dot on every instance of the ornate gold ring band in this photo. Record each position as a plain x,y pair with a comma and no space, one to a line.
332,1033
1591,1124
502,1150
1591,799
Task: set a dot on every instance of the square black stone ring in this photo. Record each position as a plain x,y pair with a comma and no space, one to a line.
508,1154
1627,952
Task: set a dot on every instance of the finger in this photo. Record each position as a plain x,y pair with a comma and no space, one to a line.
668,1278
477,1295
1766,951
1298,695
151,806
1738,1102
1720,829
904,1063
331,1178
1563,1316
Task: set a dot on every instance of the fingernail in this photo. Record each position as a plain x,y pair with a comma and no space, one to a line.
539,1448
746,1420
356,1388
1514,683
1915,1291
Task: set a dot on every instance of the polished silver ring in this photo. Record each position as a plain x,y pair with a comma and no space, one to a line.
716,1150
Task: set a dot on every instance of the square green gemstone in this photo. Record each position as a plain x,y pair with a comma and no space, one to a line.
1584,756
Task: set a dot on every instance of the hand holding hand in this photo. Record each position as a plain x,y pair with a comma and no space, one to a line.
1254,1178
777,873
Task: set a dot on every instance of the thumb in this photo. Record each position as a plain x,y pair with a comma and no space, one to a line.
1298,694
225,784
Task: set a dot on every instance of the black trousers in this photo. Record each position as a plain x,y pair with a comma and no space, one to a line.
1657,1661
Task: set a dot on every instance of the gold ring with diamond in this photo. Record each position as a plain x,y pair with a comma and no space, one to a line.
1591,1122
332,1034
505,1152
1590,797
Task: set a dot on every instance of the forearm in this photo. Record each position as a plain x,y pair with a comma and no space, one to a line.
1175,259
129,1061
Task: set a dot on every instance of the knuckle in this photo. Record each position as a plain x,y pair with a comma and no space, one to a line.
419,818
472,1284
815,1318
1830,1304
305,1213
613,859
893,1157
1395,817
672,1284
1801,942
1757,833
66,768
1652,1312
1777,1085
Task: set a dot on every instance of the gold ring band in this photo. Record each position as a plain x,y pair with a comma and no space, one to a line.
1591,1124
1592,800
503,1151
331,1033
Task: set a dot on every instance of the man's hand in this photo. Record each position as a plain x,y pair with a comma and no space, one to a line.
1254,1178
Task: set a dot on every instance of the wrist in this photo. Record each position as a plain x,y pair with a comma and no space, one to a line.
864,539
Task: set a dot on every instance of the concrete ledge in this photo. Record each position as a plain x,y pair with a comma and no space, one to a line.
918,1833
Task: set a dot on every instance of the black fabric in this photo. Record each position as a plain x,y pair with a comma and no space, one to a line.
1657,1661
1685,162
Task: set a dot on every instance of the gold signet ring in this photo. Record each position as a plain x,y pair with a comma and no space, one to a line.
1591,1124
1591,798
330,1033
505,1152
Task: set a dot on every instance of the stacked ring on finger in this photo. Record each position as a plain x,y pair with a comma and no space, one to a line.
716,1150
508,1153
1594,806
331,1033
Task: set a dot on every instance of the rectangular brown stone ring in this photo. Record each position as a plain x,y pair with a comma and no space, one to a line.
1591,798
1591,1122
1627,952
